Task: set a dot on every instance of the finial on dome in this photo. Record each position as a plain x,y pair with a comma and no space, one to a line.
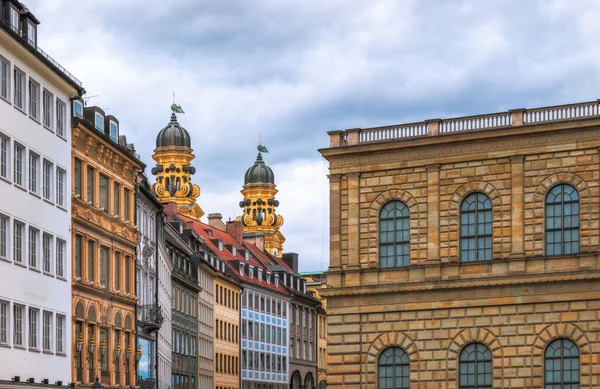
176,108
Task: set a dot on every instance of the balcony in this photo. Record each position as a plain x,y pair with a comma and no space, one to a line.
150,318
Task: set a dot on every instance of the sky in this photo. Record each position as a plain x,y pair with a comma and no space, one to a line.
293,70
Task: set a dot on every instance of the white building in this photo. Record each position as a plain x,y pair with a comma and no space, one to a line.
165,268
35,211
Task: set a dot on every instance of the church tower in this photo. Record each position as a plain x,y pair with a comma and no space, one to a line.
260,205
173,170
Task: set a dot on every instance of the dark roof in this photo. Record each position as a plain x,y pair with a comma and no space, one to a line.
259,173
173,135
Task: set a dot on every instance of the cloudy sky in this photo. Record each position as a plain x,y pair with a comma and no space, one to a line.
292,70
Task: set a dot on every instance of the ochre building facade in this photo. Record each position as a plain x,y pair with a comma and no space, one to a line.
104,249
464,252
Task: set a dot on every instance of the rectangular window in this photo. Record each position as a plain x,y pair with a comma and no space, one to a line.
60,333
31,34
4,306
47,249
4,79
46,328
33,328
18,164
77,109
13,15
4,144
61,187
126,196
117,271
91,260
34,161
77,176
103,265
78,255
90,184
116,199
99,122
33,247
3,236
47,106
127,274
18,236
18,325
114,131
61,110
34,97
18,89
104,192
47,170
60,257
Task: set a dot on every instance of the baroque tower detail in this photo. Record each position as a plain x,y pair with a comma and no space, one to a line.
260,205
173,170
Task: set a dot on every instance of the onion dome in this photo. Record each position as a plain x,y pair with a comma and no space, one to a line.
173,135
259,173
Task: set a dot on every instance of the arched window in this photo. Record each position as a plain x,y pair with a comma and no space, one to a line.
296,380
309,382
475,369
562,220
394,235
393,371
562,365
476,228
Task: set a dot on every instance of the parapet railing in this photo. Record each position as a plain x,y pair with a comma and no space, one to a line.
435,127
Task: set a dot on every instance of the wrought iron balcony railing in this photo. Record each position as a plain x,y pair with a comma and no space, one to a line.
150,317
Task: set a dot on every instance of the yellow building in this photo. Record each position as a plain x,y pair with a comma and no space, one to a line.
259,207
315,282
104,248
227,330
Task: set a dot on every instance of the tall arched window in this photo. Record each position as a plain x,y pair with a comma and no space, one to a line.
296,380
562,220
394,235
562,365
475,369
393,371
476,228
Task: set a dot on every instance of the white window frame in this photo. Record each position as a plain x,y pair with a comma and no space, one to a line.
4,78
4,236
47,180
47,250
18,241
61,247
33,244
34,172
19,321
61,321
47,108
31,36
61,187
19,91
96,116
61,113
78,103
47,330
13,17
116,126
19,163
34,99
33,331
4,156
4,322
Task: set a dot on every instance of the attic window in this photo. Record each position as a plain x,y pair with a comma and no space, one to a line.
268,277
260,274
247,255
99,122
220,245
242,266
233,250
251,271
209,232
276,279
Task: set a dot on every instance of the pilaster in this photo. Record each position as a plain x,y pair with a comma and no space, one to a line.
516,173
335,217
433,212
353,220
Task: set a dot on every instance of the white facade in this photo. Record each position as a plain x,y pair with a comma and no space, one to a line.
165,269
35,217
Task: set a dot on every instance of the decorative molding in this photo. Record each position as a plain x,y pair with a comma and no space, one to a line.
383,342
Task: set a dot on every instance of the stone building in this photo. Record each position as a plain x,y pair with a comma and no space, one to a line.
35,211
104,237
464,252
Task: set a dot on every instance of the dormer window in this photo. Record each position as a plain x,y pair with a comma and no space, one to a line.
247,255
260,274
276,279
99,122
220,245
31,33
77,109
13,15
251,271
233,250
114,131
268,277
242,266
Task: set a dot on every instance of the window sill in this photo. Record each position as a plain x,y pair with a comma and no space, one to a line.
5,179
61,278
34,350
49,201
34,269
17,347
48,128
20,187
47,352
20,109
5,259
35,194
35,119
61,208
20,264
48,274
61,354
7,101
5,345
62,137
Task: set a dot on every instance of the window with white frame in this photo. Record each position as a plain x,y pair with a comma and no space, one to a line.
19,85
60,257
33,328
4,310
19,168
46,330
48,169
60,333
4,145
77,109
47,109
18,323
114,131
18,244
4,72
34,161
3,236
61,110
33,246
31,33
34,99
99,122
13,17
47,252
61,176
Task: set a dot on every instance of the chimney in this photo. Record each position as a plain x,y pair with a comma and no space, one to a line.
215,221
234,228
291,259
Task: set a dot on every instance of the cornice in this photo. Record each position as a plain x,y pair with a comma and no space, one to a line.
103,223
93,292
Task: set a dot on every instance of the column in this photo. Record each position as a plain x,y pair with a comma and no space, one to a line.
433,212
517,194
335,221
353,220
